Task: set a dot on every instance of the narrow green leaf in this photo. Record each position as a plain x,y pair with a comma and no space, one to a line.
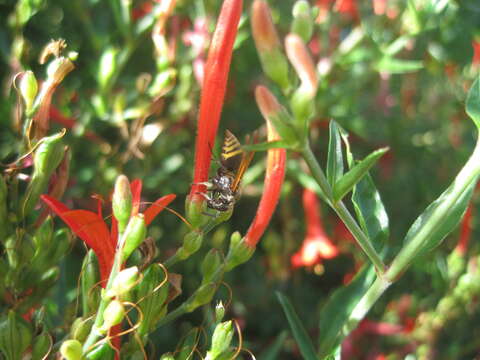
273,351
448,222
371,213
335,155
338,308
473,102
355,174
299,333
266,146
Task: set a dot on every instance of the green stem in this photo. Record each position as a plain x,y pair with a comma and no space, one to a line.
94,333
402,261
342,211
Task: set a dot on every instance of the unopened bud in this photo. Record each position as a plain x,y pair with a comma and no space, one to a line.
58,69
239,251
167,357
276,114
219,311
15,335
302,61
210,265
123,282
122,202
80,328
273,60
302,24
221,339
28,90
134,235
113,315
71,350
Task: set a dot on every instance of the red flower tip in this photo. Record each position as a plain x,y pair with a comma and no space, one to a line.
317,245
263,29
213,92
275,173
154,209
301,59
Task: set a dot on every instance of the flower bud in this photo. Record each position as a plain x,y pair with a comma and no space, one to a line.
134,235
302,24
113,315
195,210
167,357
15,335
239,251
43,235
191,243
210,265
71,350
122,202
219,311
123,282
107,68
276,114
273,60
221,339
58,69
28,88
202,296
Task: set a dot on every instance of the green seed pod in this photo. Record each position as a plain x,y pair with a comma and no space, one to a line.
122,202
15,336
221,339
191,243
28,89
81,328
71,350
202,296
46,159
134,235
113,315
303,20
167,356
239,252
152,297
42,345
210,265
123,282
89,284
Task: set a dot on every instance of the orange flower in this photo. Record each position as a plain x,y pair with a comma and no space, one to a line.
316,245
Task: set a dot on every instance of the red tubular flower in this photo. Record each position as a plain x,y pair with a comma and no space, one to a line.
213,92
465,231
476,52
92,229
316,245
275,173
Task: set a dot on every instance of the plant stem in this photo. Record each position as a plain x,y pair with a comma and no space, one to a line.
342,211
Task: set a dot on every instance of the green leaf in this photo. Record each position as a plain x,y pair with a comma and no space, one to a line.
442,227
371,213
335,155
299,333
338,308
355,174
473,103
396,66
306,180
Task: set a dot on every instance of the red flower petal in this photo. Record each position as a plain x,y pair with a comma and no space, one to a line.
89,227
136,189
154,209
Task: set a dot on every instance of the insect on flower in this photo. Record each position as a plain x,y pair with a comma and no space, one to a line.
223,187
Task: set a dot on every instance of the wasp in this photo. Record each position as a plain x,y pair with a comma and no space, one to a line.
223,187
